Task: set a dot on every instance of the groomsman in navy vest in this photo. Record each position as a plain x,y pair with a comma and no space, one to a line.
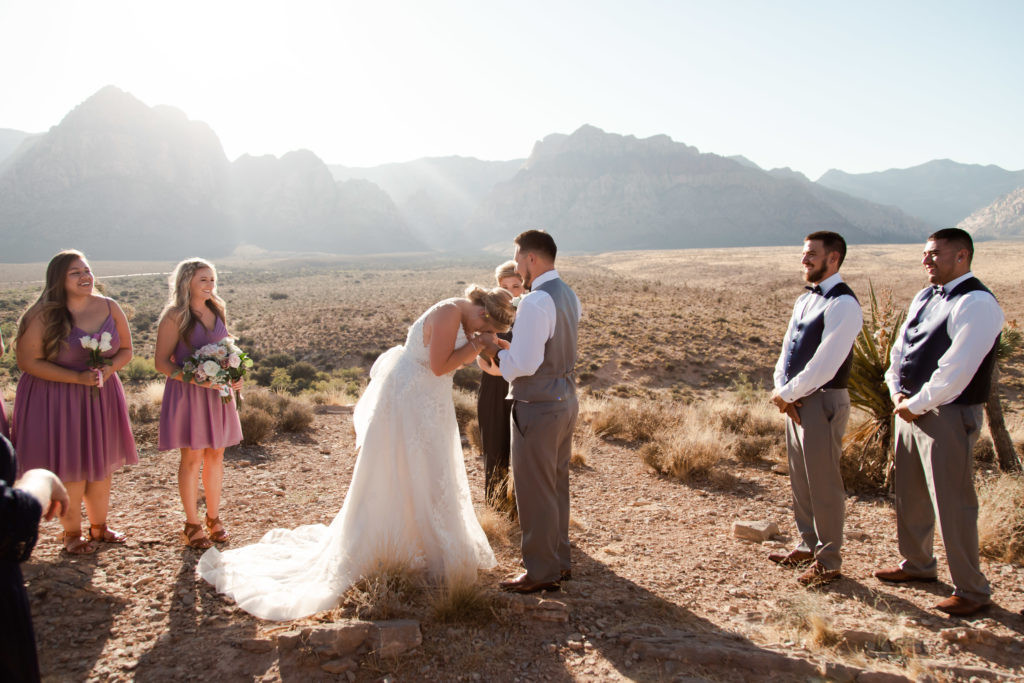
811,377
940,372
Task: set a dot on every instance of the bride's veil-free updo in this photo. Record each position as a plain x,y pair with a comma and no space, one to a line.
497,304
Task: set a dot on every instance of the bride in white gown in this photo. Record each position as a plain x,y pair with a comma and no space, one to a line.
409,499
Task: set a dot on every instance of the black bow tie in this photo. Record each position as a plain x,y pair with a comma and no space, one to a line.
938,291
816,289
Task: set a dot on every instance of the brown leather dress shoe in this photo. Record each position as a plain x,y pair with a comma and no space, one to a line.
897,575
818,575
959,606
524,584
794,558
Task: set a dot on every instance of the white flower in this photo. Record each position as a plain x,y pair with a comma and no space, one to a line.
85,342
104,343
234,361
208,350
211,368
516,300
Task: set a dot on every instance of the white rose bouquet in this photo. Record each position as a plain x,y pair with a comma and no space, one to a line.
220,363
97,345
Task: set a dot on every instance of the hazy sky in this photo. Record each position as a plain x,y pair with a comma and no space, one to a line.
860,86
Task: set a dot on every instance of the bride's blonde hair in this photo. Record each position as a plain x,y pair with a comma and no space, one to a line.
497,305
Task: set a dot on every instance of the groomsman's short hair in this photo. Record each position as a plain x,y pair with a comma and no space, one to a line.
537,241
961,239
833,241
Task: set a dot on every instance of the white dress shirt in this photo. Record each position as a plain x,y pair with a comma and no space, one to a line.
534,326
843,322
973,321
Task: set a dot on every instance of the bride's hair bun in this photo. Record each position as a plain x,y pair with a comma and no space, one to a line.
497,305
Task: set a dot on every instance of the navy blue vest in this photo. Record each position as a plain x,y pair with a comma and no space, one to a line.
806,339
926,340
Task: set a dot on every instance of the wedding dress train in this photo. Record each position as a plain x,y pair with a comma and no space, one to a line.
408,502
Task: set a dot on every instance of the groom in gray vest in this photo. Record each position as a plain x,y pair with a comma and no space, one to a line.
940,372
540,369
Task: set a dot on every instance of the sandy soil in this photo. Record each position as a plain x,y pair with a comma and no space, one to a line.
658,577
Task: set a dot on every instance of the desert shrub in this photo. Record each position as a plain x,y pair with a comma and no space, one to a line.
984,450
277,360
139,369
1001,518
286,414
473,435
684,455
295,417
280,380
752,419
261,375
257,424
468,378
278,296
752,449
142,412
302,371
465,408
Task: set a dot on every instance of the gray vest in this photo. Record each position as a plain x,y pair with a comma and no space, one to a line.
555,379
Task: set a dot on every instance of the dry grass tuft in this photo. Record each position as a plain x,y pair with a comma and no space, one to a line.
804,617
635,420
461,600
385,593
684,454
497,525
865,460
1001,518
584,444
153,392
285,413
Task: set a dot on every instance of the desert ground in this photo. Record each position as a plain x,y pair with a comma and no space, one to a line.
662,589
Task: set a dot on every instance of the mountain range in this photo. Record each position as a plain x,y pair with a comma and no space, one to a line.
147,182
941,193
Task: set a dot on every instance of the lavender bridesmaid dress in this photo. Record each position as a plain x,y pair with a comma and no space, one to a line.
192,416
80,433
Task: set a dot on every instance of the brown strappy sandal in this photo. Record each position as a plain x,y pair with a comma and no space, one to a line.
106,534
74,544
216,536
195,537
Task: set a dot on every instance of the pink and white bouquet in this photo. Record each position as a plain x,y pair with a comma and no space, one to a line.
97,345
219,363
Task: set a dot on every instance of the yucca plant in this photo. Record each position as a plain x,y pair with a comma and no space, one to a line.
872,440
1009,343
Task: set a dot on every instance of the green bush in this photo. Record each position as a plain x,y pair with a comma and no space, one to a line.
139,369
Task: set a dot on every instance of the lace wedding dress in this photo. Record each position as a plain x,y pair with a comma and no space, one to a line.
408,501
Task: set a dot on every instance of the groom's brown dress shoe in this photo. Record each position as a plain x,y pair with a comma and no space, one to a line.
524,584
897,575
959,606
794,558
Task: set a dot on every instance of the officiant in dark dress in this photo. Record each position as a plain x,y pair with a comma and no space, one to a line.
494,409
22,504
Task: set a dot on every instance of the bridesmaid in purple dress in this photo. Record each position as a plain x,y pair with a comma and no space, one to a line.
63,420
5,428
193,418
